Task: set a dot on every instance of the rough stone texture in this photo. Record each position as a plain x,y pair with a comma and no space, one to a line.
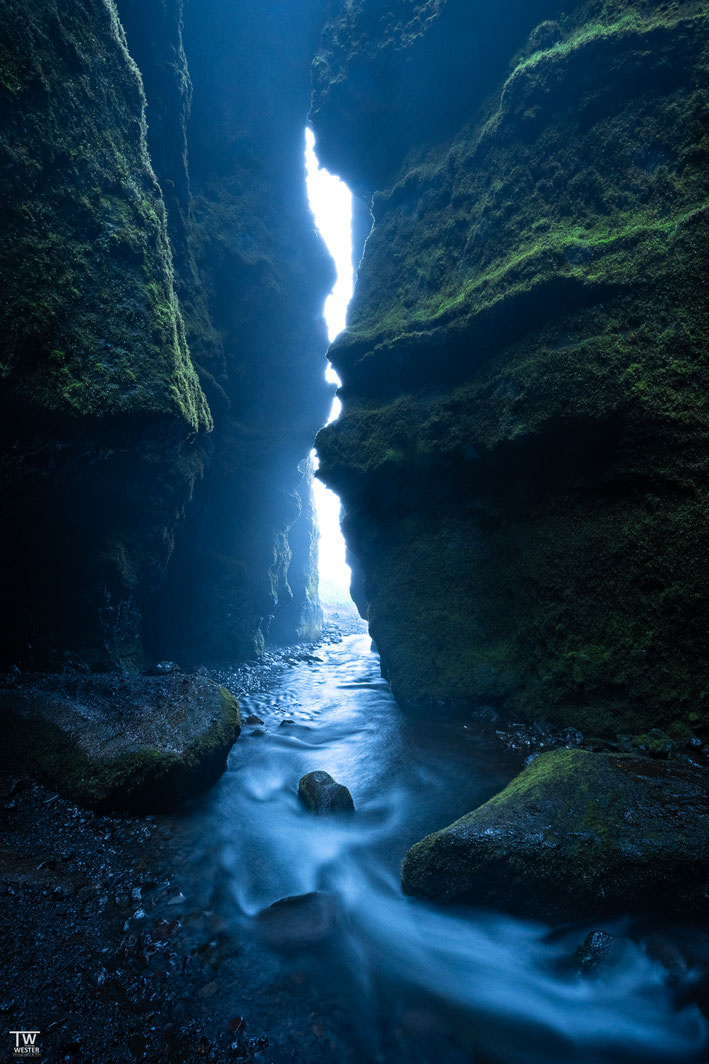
300,922
599,952
252,276
302,618
522,448
321,794
130,331
103,416
110,743
577,835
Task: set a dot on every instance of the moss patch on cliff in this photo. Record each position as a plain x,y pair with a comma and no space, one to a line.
520,197
525,421
90,319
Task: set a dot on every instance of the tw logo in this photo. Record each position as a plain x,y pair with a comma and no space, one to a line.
25,1043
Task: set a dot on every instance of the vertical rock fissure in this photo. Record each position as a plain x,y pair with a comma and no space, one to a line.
331,203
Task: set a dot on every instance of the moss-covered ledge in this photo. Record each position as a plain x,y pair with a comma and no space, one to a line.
108,742
577,835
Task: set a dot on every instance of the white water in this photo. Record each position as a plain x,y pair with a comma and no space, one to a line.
398,979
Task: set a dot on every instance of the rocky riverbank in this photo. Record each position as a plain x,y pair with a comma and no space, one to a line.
146,955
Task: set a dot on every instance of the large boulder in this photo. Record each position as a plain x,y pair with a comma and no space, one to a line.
574,835
121,742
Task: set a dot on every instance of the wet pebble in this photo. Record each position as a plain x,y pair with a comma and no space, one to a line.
600,952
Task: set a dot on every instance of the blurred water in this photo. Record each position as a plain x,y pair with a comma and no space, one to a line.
407,980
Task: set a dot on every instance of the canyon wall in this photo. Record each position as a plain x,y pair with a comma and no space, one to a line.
161,373
104,422
252,275
522,449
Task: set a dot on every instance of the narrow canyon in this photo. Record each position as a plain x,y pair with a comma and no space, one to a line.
436,793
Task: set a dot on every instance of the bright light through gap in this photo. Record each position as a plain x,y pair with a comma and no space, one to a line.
331,204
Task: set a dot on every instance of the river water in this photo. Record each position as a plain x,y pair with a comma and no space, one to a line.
354,970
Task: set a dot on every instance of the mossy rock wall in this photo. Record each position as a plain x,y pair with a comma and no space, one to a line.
524,436
103,416
161,372
90,321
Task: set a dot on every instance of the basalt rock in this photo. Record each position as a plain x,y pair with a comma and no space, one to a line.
136,743
103,417
319,793
525,374
299,922
252,275
577,835
161,365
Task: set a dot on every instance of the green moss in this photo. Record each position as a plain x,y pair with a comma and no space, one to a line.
596,223
680,731
526,381
90,318
146,777
574,834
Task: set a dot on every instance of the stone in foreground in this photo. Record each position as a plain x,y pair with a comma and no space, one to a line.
298,922
113,742
321,794
574,835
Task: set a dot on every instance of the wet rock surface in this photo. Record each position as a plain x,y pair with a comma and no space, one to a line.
577,834
116,742
116,949
138,939
320,793
298,922
599,951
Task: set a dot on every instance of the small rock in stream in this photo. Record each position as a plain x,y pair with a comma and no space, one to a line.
598,952
321,794
298,922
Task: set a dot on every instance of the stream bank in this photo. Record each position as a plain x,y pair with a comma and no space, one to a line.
156,938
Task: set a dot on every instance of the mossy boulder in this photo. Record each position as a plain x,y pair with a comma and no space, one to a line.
574,836
320,793
113,742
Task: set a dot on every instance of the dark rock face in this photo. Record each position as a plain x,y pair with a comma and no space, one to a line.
297,923
252,276
140,743
521,449
321,794
103,417
598,952
302,619
577,835
141,314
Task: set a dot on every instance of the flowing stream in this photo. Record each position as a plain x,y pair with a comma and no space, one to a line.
383,977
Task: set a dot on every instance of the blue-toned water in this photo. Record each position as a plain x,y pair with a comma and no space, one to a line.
357,971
